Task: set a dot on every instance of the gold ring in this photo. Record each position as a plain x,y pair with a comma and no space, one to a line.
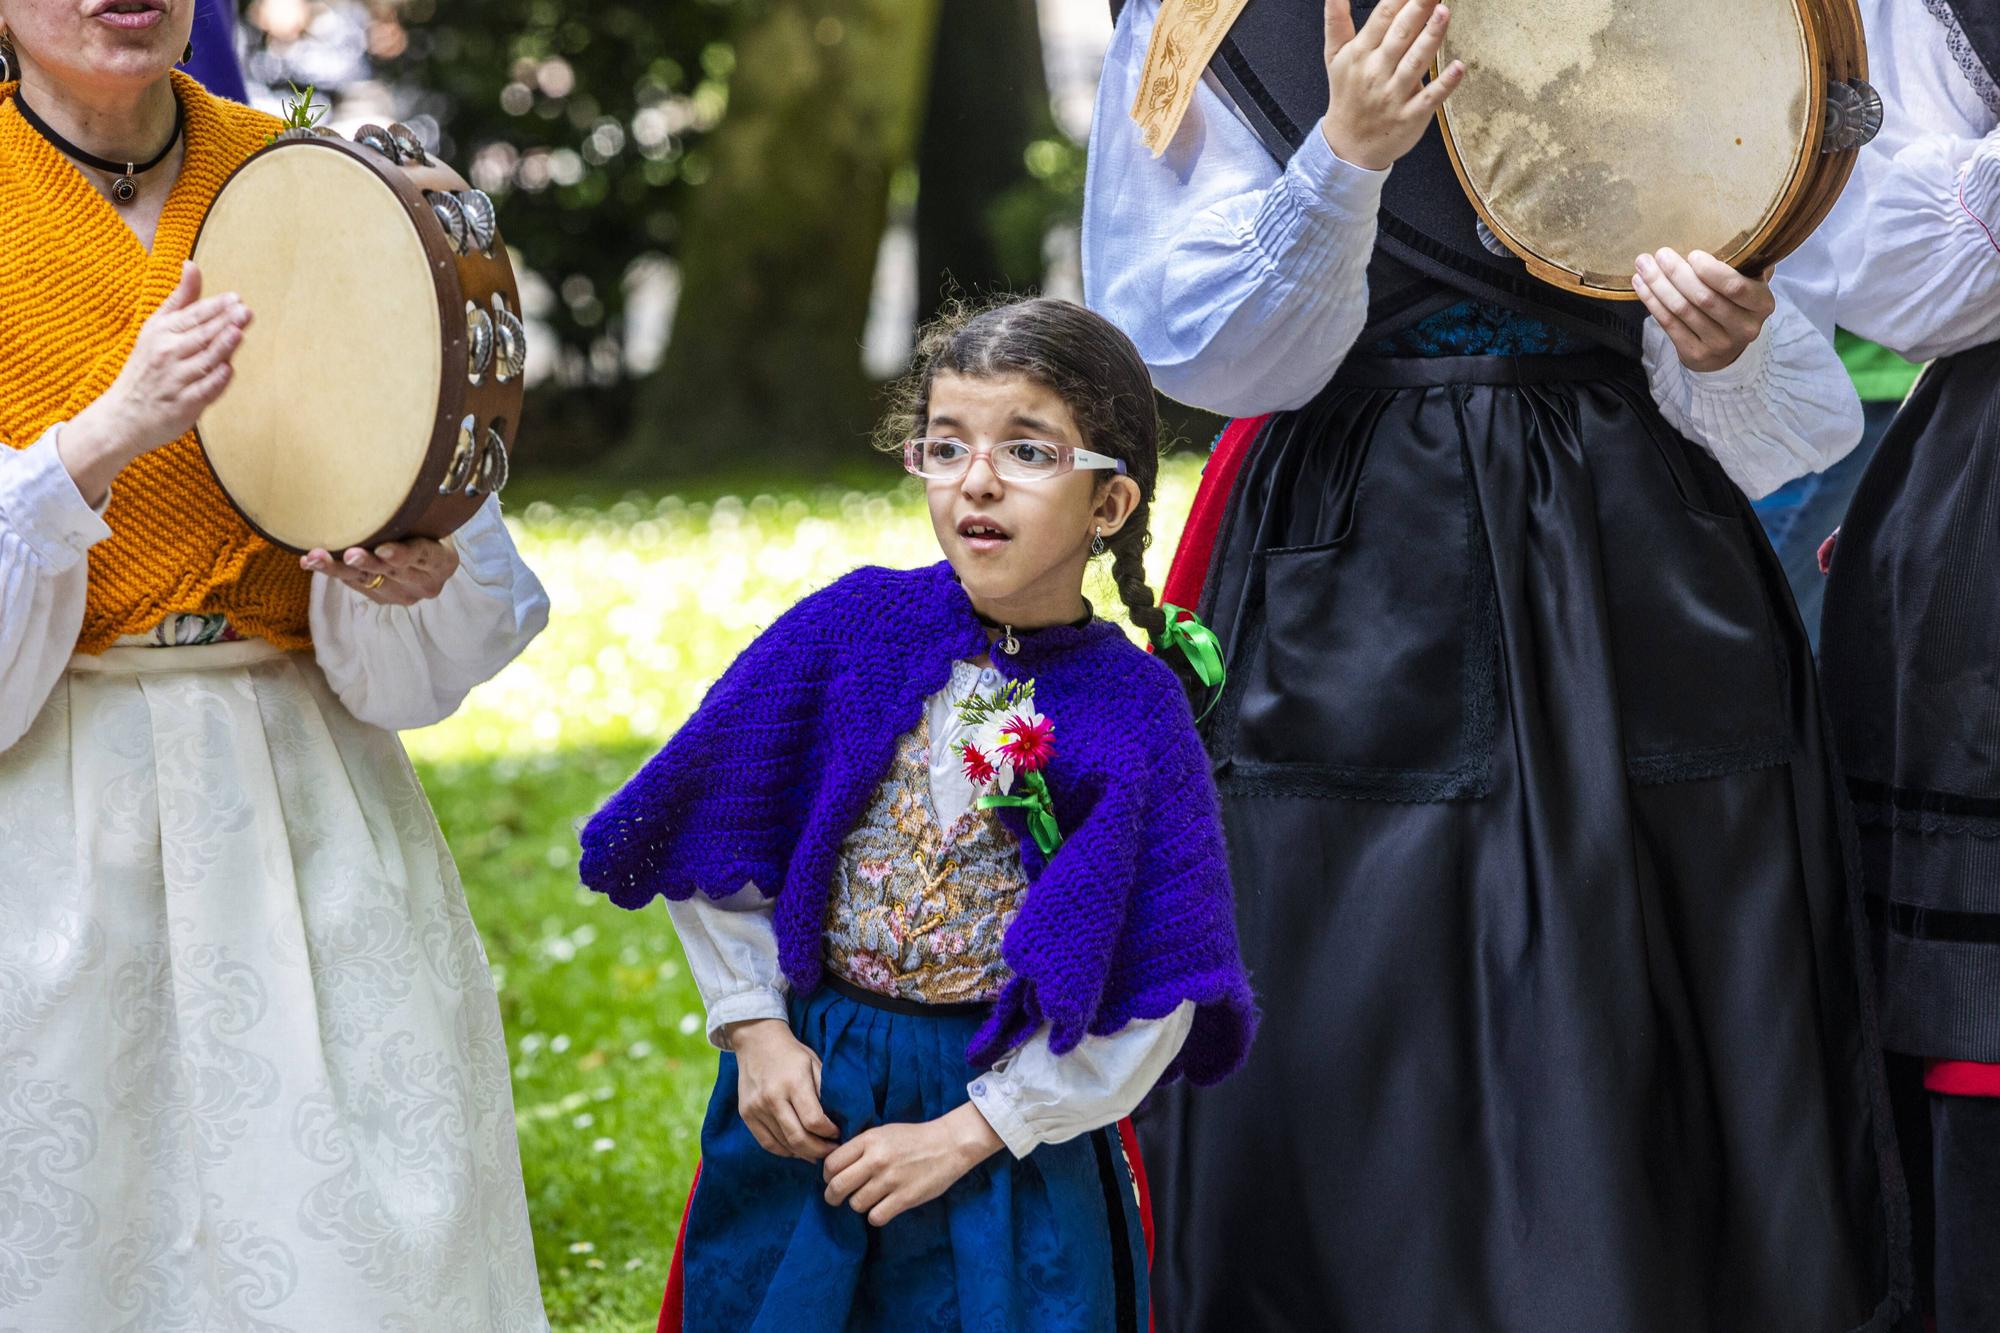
375,582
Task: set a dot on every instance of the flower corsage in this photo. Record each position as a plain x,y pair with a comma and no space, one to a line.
1011,744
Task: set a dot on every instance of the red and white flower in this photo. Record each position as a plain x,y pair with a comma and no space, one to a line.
979,770
1028,742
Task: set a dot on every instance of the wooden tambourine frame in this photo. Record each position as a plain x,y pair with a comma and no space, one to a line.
1835,52
471,277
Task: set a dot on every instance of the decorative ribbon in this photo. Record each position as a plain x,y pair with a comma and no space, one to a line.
1040,807
1197,643
1185,37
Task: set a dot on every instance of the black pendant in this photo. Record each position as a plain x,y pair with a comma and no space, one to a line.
124,190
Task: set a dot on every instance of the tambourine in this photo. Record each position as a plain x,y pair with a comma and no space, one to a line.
1589,132
377,392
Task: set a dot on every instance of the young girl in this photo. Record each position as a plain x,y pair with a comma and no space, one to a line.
946,859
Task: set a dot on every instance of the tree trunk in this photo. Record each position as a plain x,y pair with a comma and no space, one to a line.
989,99
779,248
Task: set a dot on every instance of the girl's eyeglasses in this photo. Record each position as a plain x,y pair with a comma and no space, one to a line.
1012,460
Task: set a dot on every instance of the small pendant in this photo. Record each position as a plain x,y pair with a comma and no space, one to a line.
124,190
1008,643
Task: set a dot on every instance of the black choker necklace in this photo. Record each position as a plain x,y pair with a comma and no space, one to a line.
125,189
1010,645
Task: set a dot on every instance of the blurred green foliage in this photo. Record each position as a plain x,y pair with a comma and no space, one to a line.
586,127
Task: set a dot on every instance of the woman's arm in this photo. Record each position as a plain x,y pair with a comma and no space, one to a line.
1243,285
46,530
1785,406
1914,238
399,667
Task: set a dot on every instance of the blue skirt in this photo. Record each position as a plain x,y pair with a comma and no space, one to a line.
1050,1242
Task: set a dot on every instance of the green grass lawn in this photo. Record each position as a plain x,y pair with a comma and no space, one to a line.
652,597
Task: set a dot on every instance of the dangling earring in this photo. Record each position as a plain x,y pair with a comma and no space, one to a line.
1097,542
6,57
187,52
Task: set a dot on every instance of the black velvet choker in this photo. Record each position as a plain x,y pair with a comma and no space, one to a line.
1081,622
126,188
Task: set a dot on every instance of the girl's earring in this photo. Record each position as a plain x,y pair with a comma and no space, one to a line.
1097,542
6,58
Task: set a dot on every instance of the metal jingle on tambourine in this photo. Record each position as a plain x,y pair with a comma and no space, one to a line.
482,223
377,138
465,459
1853,116
451,216
493,465
408,144
478,342
512,343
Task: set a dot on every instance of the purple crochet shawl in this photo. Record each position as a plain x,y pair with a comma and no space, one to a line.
1129,918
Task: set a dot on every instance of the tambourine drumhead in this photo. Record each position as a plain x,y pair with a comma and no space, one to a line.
1592,131
321,435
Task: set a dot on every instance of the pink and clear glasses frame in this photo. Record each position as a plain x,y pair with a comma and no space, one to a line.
1007,459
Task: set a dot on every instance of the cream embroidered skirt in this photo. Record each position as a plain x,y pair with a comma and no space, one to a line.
252,1075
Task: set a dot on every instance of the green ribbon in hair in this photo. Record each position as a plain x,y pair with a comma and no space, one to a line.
1198,644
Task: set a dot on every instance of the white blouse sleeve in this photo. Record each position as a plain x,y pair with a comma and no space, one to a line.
1917,235
1787,406
1242,285
1032,1096
733,953
400,667
46,530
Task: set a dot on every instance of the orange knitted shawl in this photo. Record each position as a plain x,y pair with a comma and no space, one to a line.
75,285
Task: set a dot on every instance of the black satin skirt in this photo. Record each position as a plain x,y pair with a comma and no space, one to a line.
1911,640
1541,883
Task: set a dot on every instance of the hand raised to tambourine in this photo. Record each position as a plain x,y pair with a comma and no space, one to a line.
1378,105
395,573
1711,311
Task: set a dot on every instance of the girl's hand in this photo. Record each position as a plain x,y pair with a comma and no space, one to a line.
394,574
179,365
1378,105
777,1090
891,1169
1711,311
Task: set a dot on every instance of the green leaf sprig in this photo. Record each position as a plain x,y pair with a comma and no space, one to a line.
299,111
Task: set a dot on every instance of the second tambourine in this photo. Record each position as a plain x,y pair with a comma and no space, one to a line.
377,392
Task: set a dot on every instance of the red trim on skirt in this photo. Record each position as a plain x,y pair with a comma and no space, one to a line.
1211,500
1962,1078
676,1297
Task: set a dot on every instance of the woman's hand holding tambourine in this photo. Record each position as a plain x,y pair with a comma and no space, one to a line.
1378,104
1711,311
395,573
179,365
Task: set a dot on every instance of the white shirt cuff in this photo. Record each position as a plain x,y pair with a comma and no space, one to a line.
43,505
1746,370
744,1007
1343,189
989,1095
